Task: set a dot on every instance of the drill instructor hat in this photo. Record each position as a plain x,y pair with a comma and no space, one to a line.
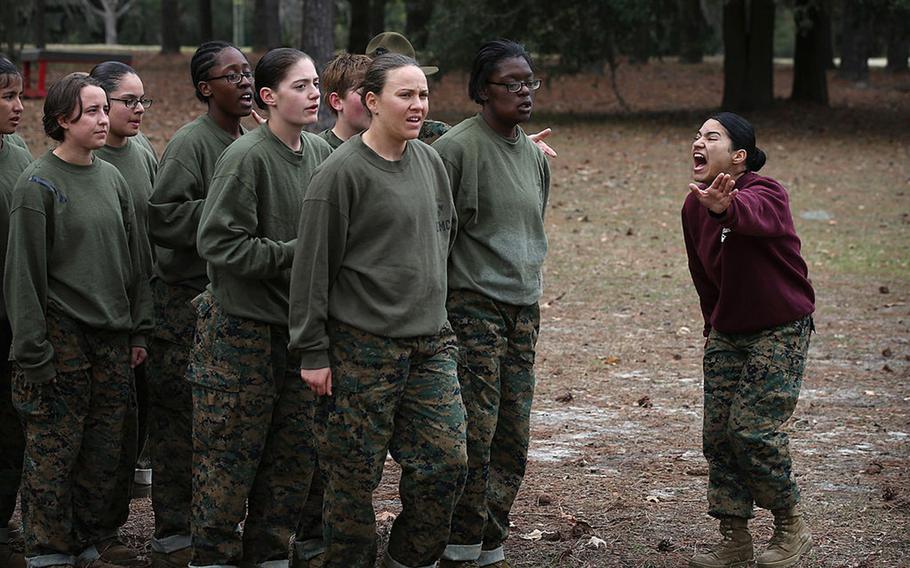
393,42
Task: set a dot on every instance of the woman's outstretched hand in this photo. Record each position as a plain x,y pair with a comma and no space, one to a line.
717,196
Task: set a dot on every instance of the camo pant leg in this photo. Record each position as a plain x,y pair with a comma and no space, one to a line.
170,441
752,384
251,424
287,466
509,448
398,394
308,541
74,429
429,442
118,510
12,442
482,342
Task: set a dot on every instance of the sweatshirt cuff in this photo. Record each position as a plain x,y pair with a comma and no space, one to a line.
318,359
138,341
40,374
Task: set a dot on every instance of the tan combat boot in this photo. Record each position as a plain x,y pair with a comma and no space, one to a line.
790,541
733,551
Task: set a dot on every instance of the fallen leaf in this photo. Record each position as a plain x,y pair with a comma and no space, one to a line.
883,289
565,397
536,534
886,352
386,516
645,402
595,543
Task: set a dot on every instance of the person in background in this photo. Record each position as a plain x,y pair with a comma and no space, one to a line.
76,290
757,303
341,81
137,165
223,81
501,183
13,161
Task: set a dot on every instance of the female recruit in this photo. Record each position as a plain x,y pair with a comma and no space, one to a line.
13,160
500,181
757,302
252,414
223,80
368,316
137,165
79,306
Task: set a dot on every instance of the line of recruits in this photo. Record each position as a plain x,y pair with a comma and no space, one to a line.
286,306
305,305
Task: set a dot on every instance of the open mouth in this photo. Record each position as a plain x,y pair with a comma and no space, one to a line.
699,161
525,106
246,98
415,120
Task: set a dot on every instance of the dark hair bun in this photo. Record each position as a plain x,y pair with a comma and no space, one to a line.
756,159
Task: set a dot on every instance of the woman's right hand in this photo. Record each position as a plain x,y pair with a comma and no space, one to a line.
319,380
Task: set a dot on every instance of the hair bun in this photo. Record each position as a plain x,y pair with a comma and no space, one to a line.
756,159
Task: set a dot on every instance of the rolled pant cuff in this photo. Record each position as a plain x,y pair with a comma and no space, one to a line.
308,549
191,565
274,564
171,544
90,554
488,557
462,552
390,562
50,560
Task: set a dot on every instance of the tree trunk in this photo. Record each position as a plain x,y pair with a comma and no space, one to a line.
267,33
110,24
856,41
828,36
205,21
692,28
319,43
377,17
418,14
748,54
9,13
810,82
40,41
170,28
359,31
898,50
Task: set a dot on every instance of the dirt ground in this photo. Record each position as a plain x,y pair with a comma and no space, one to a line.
616,476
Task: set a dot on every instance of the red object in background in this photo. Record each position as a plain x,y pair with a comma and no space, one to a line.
44,56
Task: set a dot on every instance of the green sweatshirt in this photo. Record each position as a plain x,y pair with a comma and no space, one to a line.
501,187
249,222
371,248
16,140
137,166
74,242
13,161
143,141
184,173
332,138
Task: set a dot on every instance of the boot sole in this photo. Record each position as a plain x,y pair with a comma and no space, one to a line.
740,564
805,548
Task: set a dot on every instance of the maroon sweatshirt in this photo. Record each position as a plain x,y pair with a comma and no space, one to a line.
746,263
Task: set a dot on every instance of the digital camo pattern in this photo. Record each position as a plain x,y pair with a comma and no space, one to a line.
74,437
252,434
397,396
496,351
752,383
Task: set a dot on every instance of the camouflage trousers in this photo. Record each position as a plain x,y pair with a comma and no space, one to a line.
398,396
496,344
73,440
12,441
308,541
252,439
170,438
752,383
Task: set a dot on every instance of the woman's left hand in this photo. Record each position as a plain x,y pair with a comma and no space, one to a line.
138,356
539,138
718,196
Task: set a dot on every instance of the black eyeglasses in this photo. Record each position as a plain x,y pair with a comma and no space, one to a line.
234,77
533,85
133,103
